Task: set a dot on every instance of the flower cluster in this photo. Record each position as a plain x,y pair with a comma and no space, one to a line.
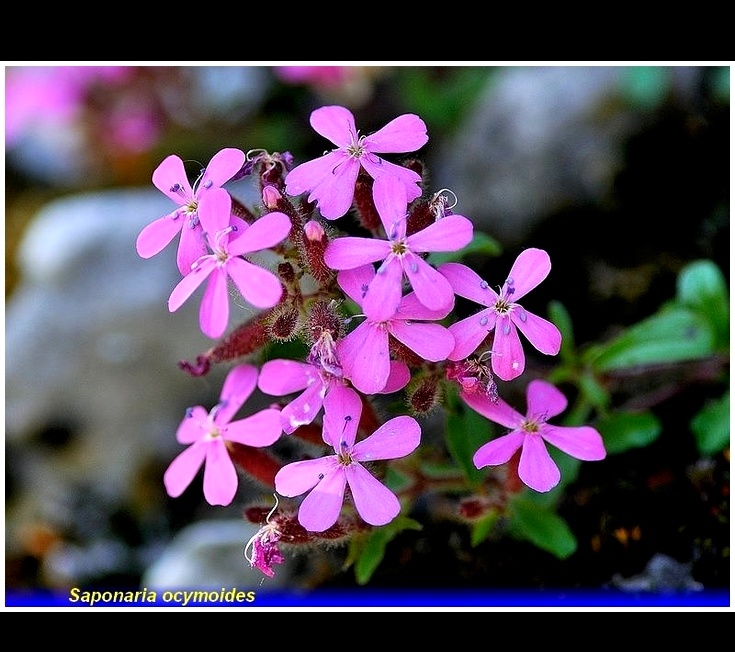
375,315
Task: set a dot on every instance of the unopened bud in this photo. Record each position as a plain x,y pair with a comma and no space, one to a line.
324,318
424,395
271,197
284,323
314,231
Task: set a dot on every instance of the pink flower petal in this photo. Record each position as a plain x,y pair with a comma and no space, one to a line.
239,384
214,210
260,429
530,268
349,252
582,442
259,287
281,377
168,174
498,451
298,477
390,197
543,399
498,411
154,237
384,292
469,332
544,335
224,165
193,425
267,232
431,288
183,468
355,282
381,170
214,311
192,246
536,468
342,410
365,357
406,133
467,283
320,509
508,359
375,503
335,191
187,285
308,175
450,233
431,341
398,437
304,408
412,309
220,476
398,378
335,123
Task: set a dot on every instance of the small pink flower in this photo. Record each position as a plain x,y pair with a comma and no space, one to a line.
170,178
327,477
365,352
503,314
258,286
314,378
207,434
531,433
400,255
331,179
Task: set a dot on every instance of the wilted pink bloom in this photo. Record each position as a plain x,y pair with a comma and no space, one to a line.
531,433
263,546
170,178
331,179
314,379
327,477
400,255
259,286
503,314
207,434
365,352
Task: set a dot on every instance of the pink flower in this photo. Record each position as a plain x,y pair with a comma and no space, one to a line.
263,546
314,379
400,255
170,178
503,314
365,352
207,434
327,477
331,179
531,433
257,285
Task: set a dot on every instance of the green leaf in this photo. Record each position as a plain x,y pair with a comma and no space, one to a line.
672,335
645,87
482,527
701,286
482,244
544,528
563,321
711,426
625,430
466,431
373,549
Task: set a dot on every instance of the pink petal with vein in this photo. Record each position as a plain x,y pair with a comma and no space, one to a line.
260,429
335,123
406,133
469,332
530,268
258,286
431,341
398,437
350,252
376,504
542,398
214,311
187,285
582,442
236,389
220,476
508,358
431,288
183,468
498,451
450,233
154,237
281,377
536,468
365,357
544,335
169,173
467,283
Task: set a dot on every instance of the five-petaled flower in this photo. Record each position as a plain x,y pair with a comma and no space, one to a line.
531,433
365,352
208,432
331,179
257,285
503,314
400,255
326,478
170,178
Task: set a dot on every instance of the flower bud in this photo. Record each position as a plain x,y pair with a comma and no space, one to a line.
424,395
314,231
284,323
271,197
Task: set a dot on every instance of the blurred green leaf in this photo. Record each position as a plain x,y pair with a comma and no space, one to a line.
673,335
645,87
482,527
593,392
701,286
466,431
373,547
563,321
711,426
625,430
544,528
482,244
